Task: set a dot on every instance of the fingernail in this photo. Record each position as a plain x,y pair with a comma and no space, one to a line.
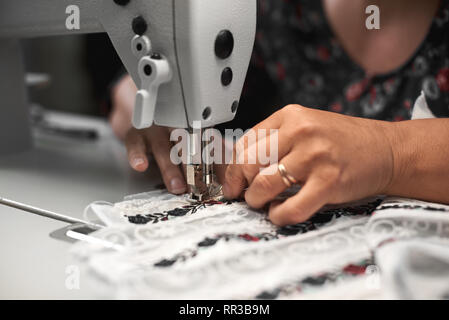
136,162
177,186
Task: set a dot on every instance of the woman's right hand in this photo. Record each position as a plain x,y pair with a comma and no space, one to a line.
140,143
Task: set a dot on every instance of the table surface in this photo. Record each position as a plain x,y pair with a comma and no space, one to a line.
63,175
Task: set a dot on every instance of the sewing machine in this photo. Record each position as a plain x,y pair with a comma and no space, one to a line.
187,57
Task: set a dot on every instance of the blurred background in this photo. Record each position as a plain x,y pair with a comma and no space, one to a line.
81,69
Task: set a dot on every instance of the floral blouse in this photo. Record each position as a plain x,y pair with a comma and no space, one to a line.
298,56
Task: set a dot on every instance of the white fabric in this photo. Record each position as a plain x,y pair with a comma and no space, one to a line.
416,269
244,269
421,110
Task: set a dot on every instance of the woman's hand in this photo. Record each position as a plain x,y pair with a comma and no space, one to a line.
140,143
123,95
335,158
155,140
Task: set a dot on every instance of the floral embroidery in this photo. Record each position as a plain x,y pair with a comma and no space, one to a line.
177,212
412,207
318,220
230,251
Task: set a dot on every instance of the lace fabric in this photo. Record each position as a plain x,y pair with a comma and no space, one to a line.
164,247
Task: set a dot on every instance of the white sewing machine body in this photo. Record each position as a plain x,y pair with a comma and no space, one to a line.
189,58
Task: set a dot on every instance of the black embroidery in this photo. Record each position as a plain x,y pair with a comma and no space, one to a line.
326,216
207,242
177,212
165,263
313,223
144,219
411,207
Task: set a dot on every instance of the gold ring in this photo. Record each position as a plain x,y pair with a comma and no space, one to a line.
288,179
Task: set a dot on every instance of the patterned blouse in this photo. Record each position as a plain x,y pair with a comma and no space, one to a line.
299,57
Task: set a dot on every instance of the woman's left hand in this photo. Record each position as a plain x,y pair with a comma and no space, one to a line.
335,158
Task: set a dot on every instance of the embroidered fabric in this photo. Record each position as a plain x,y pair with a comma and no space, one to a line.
410,268
168,248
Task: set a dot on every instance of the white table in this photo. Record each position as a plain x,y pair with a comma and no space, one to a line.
63,175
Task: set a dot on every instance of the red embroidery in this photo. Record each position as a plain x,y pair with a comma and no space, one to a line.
248,237
354,269
443,79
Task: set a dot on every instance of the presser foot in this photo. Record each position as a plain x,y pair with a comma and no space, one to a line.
203,188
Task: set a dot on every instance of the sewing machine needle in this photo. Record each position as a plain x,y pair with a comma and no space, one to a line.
46,213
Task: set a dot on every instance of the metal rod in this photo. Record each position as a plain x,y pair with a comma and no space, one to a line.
46,213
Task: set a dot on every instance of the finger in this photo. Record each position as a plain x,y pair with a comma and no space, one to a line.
271,125
239,175
265,187
258,147
276,119
137,150
272,122
265,152
268,184
300,207
235,181
248,163
171,173
122,95
120,123
220,171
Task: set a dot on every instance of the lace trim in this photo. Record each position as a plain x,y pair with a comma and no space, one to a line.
227,250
